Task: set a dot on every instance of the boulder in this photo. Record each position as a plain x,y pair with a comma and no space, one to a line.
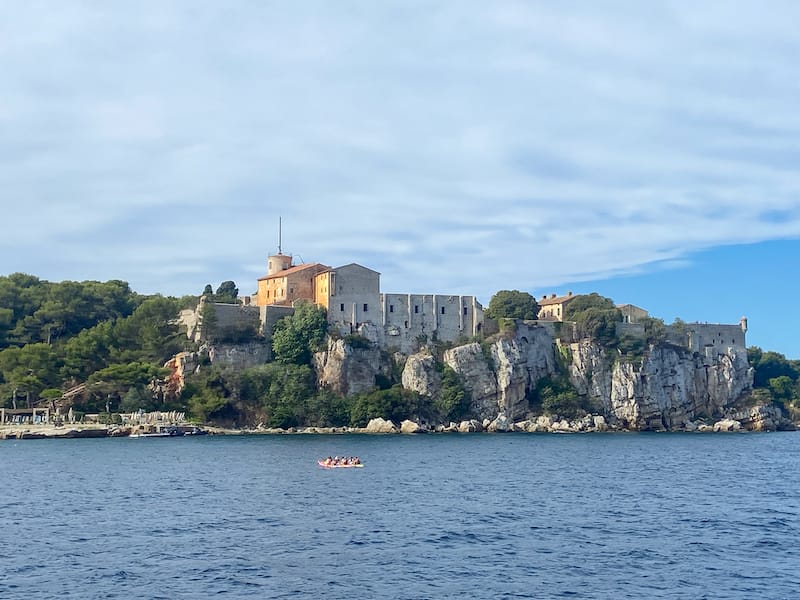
410,427
379,425
727,425
500,425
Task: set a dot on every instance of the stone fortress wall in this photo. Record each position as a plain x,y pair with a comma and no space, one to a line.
409,319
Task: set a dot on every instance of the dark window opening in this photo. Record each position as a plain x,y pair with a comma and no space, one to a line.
443,310
391,308
416,308
341,307
406,324
465,311
365,308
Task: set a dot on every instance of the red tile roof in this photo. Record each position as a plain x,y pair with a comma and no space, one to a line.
556,300
296,269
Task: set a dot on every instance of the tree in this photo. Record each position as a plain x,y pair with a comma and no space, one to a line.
595,317
655,330
453,401
296,337
512,304
227,293
770,365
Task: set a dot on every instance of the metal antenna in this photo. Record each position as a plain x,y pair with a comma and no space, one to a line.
279,236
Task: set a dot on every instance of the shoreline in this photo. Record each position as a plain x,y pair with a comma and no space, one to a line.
76,431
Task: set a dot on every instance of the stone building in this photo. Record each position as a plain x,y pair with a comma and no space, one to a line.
285,283
352,298
552,308
632,313
709,338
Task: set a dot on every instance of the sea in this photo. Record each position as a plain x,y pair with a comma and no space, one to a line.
614,515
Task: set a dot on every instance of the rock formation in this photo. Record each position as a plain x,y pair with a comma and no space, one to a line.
347,371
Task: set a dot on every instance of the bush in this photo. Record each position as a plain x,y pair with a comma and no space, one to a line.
454,400
357,342
557,396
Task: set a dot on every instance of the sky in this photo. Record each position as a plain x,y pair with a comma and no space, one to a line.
647,151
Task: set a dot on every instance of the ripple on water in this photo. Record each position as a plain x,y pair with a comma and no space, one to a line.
616,516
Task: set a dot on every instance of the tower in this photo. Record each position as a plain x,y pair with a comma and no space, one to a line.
280,261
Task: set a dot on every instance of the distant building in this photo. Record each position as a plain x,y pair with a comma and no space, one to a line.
552,308
285,283
632,313
354,303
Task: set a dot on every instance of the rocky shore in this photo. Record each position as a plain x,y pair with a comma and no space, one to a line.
757,418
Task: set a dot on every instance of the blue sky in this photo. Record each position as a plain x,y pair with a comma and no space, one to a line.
644,150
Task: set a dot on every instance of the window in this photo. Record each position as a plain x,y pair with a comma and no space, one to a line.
341,307
366,308
416,308
406,324
291,290
443,310
391,308
465,311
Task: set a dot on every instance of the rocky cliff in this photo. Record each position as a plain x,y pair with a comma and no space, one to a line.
347,371
498,375
668,388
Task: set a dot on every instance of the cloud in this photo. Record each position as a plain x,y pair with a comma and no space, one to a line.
458,147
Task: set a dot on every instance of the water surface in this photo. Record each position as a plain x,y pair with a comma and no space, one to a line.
444,516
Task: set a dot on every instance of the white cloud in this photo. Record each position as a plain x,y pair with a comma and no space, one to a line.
459,147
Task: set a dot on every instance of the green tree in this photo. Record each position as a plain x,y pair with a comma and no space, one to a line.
296,337
227,292
595,317
770,365
557,396
395,404
150,334
512,304
655,331
281,391
454,400
29,369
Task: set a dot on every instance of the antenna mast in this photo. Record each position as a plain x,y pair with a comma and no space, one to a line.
279,236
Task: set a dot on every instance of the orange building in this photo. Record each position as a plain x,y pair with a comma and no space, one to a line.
284,282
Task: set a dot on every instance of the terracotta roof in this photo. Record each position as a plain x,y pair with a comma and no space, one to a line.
557,300
295,269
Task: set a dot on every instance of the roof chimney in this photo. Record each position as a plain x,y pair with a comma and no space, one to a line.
552,295
569,293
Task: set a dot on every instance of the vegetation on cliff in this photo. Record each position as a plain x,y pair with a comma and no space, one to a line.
108,345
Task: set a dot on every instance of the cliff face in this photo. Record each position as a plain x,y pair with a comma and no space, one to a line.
499,380
347,371
668,389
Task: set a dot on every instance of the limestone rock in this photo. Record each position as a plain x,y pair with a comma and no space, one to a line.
421,375
379,425
727,425
498,383
411,427
500,425
347,371
471,426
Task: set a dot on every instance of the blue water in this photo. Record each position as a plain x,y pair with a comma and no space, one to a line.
448,516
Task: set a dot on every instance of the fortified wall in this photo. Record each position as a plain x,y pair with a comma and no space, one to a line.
408,319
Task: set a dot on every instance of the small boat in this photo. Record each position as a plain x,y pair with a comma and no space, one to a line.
161,432
326,465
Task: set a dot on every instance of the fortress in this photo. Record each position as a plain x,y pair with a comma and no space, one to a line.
354,304
403,322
